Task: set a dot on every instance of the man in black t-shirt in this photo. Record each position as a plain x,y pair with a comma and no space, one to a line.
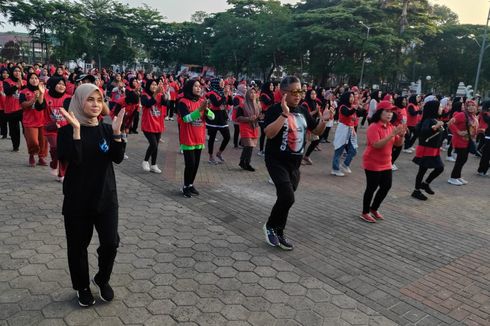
286,125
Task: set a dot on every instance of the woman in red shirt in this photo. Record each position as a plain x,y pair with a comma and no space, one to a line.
13,111
463,126
399,118
154,110
32,101
4,75
249,128
414,115
376,160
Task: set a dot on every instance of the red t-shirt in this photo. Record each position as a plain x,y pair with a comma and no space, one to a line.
11,102
193,133
413,120
152,119
378,159
52,113
31,118
460,125
2,97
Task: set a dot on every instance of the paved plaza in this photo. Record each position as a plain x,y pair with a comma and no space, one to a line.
203,261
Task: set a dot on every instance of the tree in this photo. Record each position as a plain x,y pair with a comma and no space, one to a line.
10,51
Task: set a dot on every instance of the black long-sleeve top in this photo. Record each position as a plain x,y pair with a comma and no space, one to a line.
486,118
220,116
89,186
9,90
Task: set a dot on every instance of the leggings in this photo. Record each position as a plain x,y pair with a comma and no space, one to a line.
136,121
171,108
212,131
152,151
461,159
312,147
236,134
262,136
246,156
420,176
326,133
191,159
3,124
375,180
52,140
410,138
395,153
14,122
485,157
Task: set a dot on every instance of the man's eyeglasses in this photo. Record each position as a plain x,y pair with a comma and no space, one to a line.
297,92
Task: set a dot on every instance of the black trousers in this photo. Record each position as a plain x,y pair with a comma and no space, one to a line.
171,108
79,230
152,151
136,121
326,133
285,176
420,176
312,147
225,133
375,180
191,160
395,153
262,136
246,157
14,120
236,134
485,157
3,124
461,158
410,137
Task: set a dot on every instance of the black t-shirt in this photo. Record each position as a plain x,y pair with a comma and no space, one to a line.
90,184
290,141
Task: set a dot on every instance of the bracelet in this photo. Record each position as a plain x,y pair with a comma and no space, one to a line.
284,115
124,136
117,136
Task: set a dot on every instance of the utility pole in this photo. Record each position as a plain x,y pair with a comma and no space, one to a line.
363,53
482,52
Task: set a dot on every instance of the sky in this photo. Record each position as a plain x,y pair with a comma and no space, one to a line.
469,11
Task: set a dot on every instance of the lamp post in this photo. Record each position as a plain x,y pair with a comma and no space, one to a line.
363,54
482,52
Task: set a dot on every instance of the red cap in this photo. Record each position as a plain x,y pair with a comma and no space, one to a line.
387,97
471,102
385,105
354,89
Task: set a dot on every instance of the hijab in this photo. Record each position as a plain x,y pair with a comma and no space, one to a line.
187,89
51,85
215,87
77,103
29,86
241,90
251,107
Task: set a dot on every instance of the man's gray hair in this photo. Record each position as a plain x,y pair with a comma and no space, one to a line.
287,81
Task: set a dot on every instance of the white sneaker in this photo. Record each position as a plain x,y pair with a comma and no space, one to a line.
454,182
260,153
337,173
126,157
443,148
481,174
155,169
53,172
166,118
408,151
450,159
146,166
270,181
394,167
60,179
412,148
171,119
345,168
463,181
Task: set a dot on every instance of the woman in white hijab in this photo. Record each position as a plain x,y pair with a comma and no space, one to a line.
89,147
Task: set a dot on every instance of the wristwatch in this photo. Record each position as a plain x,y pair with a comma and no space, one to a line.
120,136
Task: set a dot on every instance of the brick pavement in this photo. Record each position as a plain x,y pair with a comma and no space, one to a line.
174,266
204,261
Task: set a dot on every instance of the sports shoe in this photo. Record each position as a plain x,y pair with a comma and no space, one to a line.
260,153
270,181
337,173
32,161
307,160
146,166
367,217
53,172
85,298
454,182
106,293
60,179
213,161
155,169
426,187
193,190
394,167
376,214
166,118
171,119
284,243
450,159
186,192
344,168
250,168
220,158
463,181
482,174
270,236
42,162
408,151
419,195
126,157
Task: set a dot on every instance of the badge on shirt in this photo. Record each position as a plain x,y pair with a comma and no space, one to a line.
104,147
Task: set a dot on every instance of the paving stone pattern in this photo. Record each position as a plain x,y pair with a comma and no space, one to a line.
204,262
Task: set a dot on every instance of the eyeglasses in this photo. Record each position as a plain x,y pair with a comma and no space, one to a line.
297,92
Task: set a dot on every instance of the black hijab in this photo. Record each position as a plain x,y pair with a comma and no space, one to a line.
51,85
187,90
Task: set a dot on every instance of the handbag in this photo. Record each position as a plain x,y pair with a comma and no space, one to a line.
472,148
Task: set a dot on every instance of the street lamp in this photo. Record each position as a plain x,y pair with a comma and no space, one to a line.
363,54
482,52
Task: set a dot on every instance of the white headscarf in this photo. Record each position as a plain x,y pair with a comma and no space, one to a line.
77,103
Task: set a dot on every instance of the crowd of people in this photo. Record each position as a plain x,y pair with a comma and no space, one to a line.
62,113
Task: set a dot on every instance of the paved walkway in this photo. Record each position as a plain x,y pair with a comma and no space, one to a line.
203,261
